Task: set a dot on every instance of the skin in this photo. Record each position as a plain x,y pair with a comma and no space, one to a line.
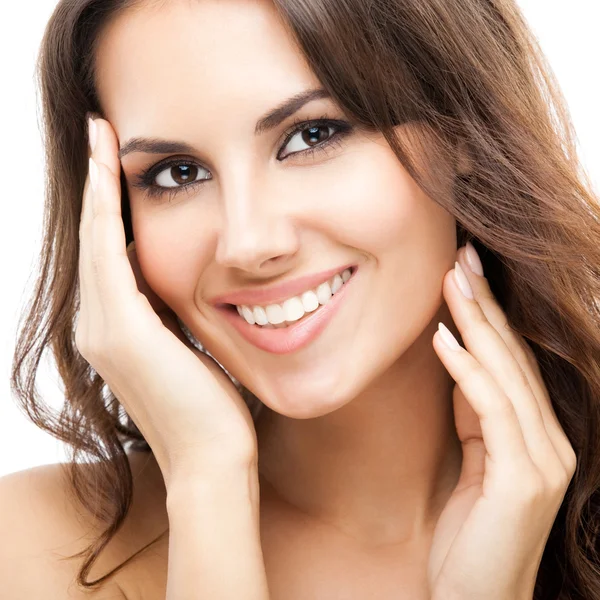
359,436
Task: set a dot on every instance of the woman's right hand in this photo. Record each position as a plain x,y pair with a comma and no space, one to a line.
185,405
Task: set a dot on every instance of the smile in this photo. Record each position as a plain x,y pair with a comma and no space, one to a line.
288,327
295,308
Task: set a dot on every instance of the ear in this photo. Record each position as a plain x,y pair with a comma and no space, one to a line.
464,162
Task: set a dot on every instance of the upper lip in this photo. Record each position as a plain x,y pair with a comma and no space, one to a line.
277,293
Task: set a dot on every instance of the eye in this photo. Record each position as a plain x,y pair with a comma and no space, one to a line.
170,178
179,174
308,137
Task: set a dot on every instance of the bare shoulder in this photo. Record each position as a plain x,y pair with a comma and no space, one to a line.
41,525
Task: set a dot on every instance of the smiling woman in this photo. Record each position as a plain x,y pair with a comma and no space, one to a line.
353,349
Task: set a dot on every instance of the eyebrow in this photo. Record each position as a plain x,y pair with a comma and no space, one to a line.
269,121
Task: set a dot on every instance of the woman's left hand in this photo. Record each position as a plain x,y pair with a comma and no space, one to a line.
517,461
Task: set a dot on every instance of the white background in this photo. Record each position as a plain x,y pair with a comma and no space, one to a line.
568,33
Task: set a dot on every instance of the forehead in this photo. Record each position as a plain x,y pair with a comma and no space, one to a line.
192,57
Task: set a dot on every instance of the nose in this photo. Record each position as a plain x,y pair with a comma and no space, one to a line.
256,236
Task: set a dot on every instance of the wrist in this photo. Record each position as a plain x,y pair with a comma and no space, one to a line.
210,467
216,477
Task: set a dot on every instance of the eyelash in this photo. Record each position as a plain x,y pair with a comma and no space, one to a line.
145,180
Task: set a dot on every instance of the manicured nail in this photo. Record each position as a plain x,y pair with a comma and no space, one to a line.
93,174
473,259
462,281
92,133
447,337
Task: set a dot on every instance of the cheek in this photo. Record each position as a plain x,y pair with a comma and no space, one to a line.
412,243
376,207
172,252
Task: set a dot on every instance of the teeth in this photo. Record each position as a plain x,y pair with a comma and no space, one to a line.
336,284
293,309
274,314
260,316
324,293
248,315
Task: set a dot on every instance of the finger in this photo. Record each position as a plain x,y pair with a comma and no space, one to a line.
106,149
522,353
500,427
85,242
486,345
110,265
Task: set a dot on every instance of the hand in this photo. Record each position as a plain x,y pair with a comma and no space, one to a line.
517,461
184,404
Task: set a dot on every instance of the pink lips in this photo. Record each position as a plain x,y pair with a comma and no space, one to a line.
295,336
278,293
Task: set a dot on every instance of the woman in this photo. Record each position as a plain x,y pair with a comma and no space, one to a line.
312,188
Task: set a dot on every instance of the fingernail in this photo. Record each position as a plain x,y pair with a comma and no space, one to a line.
93,174
131,246
92,133
462,281
447,337
473,259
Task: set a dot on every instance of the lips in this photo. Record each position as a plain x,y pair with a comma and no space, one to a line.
297,335
276,294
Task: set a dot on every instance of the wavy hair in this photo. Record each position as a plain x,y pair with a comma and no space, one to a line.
470,72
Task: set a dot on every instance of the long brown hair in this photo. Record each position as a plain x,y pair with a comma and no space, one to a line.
468,71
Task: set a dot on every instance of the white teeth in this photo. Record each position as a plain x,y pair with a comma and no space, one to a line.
324,293
336,284
293,309
274,314
310,301
260,316
248,315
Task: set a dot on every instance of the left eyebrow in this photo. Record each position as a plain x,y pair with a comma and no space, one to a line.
269,121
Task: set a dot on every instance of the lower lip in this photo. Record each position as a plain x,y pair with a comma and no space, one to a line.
295,336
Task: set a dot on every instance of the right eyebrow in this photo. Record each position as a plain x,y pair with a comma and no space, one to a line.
269,121
287,108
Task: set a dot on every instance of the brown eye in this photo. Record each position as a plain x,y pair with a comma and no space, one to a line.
315,135
306,138
178,175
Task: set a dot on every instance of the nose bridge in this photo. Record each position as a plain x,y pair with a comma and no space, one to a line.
254,226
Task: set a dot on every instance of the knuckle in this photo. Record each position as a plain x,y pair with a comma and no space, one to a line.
485,295
478,319
571,462
560,483
503,409
471,376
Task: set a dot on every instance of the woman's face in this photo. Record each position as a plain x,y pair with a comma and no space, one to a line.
242,211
